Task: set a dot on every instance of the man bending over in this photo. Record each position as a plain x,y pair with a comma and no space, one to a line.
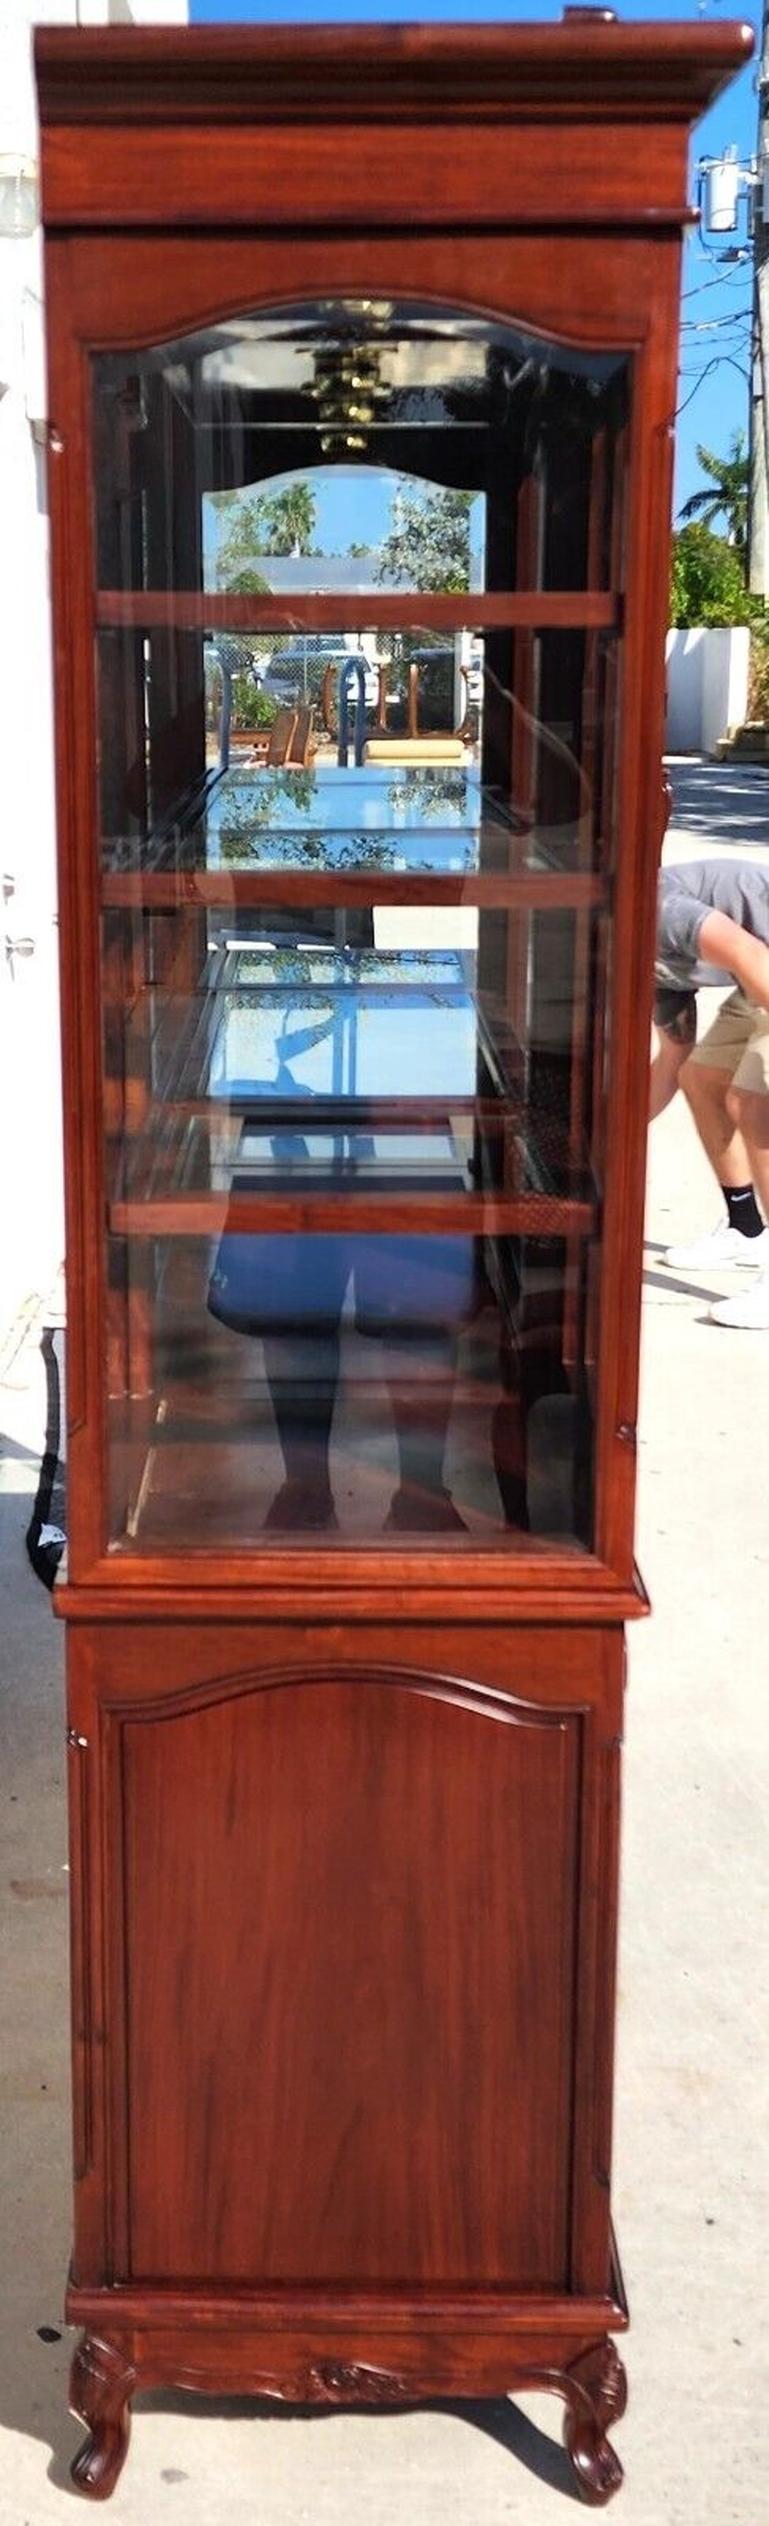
712,930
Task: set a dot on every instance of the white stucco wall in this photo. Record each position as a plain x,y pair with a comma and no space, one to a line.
707,687
30,1128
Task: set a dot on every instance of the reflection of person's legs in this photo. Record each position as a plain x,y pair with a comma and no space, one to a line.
421,1386
413,1294
536,1385
302,1374
303,1285
508,1434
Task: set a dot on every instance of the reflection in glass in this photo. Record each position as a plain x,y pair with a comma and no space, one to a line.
356,1387
282,499
406,1369
357,863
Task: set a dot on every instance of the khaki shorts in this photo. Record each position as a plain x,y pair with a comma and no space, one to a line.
738,1041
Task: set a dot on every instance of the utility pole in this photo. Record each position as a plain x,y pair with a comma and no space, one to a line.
758,514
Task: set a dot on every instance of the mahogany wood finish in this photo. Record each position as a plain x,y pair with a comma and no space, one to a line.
436,1214
524,892
344,1819
541,611
106,2374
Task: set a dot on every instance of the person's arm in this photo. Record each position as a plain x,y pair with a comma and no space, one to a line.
674,1044
722,942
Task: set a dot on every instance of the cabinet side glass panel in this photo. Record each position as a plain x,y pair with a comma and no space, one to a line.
357,672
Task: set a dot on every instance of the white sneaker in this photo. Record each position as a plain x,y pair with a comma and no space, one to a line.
749,1313
720,1245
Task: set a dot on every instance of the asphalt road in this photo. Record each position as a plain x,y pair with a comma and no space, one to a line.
719,806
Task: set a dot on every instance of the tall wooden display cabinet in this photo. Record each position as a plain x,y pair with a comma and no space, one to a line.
362,374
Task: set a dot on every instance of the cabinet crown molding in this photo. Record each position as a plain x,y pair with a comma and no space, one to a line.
579,71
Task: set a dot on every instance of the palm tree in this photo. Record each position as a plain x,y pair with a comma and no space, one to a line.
729,477
288,519
265,522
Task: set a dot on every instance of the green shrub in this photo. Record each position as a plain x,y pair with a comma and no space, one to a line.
707,582
251,706
758,680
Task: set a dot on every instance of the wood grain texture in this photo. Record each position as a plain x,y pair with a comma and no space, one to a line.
286,2368
76,819
102,2382
529,892
368,2089
552,610
614,292
140,1691
257,97
518,1586
249,177
345,1823
366,1214
642,715
78,1777
218,75
119,291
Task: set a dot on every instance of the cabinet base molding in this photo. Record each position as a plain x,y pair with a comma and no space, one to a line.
368,2353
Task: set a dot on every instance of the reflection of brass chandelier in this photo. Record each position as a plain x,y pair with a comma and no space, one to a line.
348,387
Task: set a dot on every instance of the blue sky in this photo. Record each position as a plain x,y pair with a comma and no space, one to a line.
713,390
354,504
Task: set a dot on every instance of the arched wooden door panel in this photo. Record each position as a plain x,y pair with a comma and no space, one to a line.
349,1909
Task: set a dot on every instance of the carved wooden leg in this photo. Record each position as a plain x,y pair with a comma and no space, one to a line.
596,2393
101,2385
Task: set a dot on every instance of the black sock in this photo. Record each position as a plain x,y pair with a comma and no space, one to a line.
744,1213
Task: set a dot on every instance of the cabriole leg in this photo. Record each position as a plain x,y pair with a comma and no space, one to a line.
101,2385
596,2394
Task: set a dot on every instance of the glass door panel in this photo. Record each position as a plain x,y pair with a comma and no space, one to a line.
358,626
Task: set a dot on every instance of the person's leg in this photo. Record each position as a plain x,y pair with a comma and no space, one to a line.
749,1111
707,1095
706,1080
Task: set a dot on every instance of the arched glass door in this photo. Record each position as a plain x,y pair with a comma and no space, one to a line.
359,603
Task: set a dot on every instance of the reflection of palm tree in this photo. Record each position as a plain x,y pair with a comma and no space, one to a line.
287,519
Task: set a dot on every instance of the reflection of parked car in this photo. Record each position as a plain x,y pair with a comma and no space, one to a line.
296,674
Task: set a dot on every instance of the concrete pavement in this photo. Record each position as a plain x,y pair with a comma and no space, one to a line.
692,2163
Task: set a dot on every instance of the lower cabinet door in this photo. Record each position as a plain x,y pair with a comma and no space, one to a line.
347,1909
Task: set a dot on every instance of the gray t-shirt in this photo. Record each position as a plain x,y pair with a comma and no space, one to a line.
685,895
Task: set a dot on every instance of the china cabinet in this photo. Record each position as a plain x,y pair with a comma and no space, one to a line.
362,374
